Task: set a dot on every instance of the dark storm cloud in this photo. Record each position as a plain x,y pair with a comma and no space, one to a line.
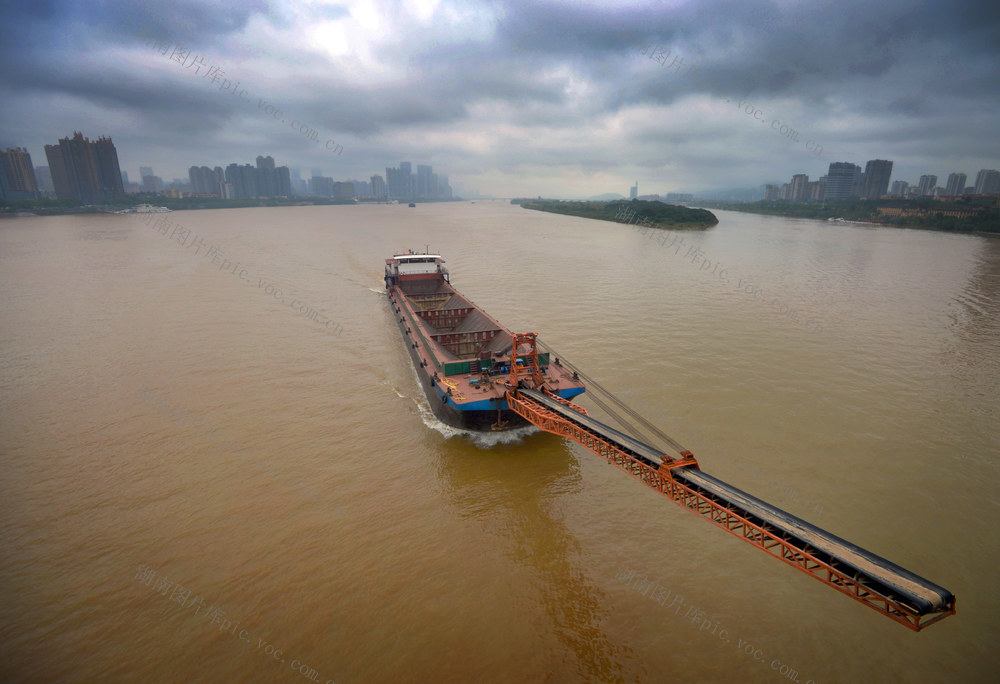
550,93
41,25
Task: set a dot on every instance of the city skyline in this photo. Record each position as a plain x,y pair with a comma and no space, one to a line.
845,180
540,98
18,180
86,170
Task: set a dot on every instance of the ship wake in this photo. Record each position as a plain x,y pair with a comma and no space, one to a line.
483,440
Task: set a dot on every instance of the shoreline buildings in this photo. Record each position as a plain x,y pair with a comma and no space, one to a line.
844,181
402,184
17,175
85,170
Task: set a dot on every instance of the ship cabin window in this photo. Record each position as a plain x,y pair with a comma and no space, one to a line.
418,264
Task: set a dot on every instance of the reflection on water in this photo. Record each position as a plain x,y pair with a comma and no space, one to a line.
975,326
518,507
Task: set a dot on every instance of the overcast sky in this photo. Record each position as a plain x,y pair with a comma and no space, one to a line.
514,98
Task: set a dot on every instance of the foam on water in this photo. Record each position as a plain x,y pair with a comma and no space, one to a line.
483,440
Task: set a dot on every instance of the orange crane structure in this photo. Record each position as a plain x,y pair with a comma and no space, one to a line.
876,582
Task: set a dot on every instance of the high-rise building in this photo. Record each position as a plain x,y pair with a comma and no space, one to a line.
987,182
798,190
81,168
956,183
213,180
406,176
423,187
876,178
899,188
361,188
321,186
152,184
343,191
109,173
379,191
61,184
199,180
206,181
770,192
633,191
818,192
400,182
243,179
283,182
148,181
267,182
17,175
85,170
843,181
248,175
926,185
392,183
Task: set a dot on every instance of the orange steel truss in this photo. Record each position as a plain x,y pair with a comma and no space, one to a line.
567,402
531,369
719,513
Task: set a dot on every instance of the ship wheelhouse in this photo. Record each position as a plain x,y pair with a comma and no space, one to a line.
414,266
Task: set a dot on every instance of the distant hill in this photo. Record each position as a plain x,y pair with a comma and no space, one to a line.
606,197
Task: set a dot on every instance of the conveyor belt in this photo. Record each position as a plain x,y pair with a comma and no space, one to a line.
653,456
918,593
875,573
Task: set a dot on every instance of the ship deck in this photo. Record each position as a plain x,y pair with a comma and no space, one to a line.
466,350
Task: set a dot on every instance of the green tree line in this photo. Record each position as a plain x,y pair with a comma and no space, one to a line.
986,219
624,211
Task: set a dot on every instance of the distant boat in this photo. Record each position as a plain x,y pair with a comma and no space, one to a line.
412,204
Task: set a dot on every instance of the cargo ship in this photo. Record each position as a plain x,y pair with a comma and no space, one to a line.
462,355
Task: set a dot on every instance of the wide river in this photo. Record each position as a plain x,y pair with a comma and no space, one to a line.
202,481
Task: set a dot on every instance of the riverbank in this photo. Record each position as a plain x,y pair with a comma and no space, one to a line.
969,215
53,207
639,212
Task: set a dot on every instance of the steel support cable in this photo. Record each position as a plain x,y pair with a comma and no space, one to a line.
636,433
591,383
618,402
